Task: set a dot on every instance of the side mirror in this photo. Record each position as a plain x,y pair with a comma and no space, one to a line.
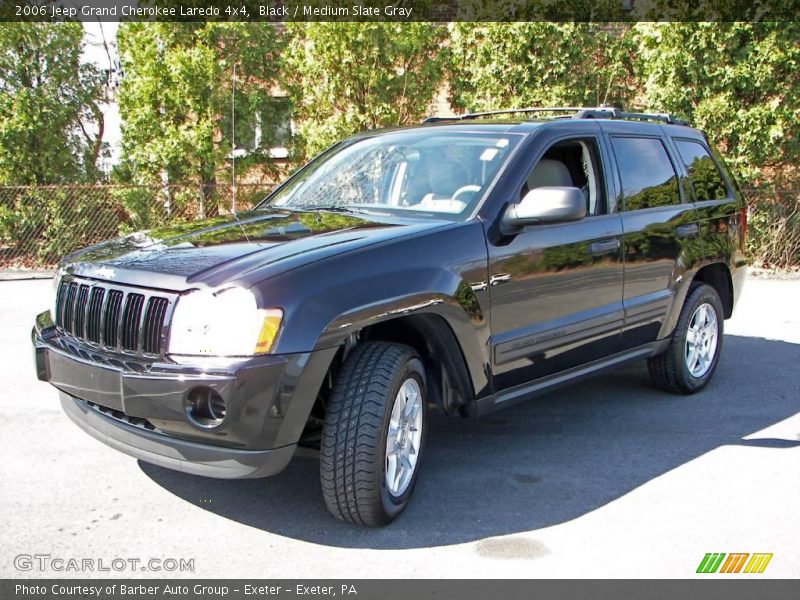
544,205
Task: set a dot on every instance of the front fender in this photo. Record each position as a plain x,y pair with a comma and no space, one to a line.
467,324
441,272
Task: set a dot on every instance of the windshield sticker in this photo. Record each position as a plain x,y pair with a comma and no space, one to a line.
489,154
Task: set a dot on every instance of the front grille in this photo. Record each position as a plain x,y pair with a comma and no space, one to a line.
112,317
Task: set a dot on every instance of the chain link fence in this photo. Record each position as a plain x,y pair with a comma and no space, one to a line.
773,228
40,224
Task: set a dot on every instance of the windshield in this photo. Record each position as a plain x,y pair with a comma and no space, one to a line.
436,174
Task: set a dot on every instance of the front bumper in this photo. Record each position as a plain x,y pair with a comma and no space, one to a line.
173,453
140,407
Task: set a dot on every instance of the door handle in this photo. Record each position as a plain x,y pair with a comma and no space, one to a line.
687,231
604,247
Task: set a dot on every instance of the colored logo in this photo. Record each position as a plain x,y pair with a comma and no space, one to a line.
736,562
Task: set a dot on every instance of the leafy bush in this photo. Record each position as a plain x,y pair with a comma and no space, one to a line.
736,81
503,65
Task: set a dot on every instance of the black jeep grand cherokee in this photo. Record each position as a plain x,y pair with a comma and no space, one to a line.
464,264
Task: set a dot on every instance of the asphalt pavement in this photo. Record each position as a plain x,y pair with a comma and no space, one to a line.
607,478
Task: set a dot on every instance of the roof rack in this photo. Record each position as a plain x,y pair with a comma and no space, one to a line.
579,112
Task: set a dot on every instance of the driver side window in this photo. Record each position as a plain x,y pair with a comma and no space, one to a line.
571,163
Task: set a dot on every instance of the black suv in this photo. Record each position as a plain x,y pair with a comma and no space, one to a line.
464,264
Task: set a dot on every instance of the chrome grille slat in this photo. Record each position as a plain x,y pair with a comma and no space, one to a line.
124,320
69,307
93,314
140,325
123,302
131,321
102,318
152,323
80,311
111,318
63,287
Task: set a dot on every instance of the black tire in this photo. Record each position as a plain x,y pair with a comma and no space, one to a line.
353,449
669,370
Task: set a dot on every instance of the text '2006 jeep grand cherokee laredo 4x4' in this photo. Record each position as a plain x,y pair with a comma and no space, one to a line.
463,264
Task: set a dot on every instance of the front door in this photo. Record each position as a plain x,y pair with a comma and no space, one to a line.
556,290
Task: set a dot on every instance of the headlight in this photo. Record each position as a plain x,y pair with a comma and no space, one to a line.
223,323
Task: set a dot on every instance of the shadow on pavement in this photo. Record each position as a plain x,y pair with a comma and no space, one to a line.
538,464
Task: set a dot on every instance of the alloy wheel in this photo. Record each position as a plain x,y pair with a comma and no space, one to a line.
404,437
701,340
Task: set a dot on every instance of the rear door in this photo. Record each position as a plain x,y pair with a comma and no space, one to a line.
660,231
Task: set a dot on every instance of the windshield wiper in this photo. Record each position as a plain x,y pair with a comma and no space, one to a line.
340,208
329,207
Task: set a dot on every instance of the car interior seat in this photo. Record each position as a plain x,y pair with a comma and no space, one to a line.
446,178
550,172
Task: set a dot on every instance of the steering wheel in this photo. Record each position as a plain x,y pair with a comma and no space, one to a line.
464,189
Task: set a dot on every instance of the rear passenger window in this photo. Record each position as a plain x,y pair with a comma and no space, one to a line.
648,178
706,179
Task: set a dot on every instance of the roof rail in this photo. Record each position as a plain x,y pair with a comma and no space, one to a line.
611,112
599,112
488,113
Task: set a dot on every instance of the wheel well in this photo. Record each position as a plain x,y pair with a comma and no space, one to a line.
718,276
449,384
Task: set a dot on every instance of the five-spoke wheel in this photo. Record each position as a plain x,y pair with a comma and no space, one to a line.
403,437
701,340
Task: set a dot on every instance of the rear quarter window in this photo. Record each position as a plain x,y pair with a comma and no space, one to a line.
707,181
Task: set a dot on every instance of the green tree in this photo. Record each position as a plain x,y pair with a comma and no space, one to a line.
175,98
49,116
720,11
346,77
503,65
736,81
539,10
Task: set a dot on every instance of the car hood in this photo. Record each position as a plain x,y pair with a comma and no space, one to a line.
219,250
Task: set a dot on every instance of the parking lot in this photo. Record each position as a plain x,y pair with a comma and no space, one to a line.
609,478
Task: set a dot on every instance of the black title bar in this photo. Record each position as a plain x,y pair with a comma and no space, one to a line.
231,589
397,10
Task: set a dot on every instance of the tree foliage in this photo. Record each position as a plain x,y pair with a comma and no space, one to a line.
539,10
346,77
175,96
718,11
541,64
736,81
49,117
